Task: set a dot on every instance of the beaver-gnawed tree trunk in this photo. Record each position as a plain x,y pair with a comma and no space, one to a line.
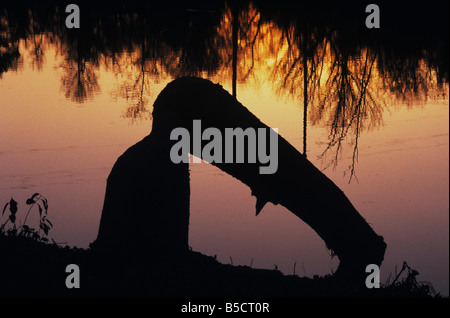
147,196
146,203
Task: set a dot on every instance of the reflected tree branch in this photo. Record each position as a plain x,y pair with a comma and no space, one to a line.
340,79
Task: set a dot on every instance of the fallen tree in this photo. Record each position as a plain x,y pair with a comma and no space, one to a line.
145,183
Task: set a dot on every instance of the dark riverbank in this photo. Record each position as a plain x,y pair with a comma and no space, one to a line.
32,269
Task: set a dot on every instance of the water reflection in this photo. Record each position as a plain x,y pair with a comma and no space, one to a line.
79,81
36,45
339,74
9,44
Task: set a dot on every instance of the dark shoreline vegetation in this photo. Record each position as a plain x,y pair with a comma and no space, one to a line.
33,267
37,269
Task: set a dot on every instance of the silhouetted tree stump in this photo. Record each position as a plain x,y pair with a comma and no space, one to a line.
147,196
146,204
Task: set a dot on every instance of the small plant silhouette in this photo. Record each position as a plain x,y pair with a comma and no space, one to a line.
24,230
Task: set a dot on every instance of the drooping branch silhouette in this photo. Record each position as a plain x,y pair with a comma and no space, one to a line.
136,88
79,80
10,35
351,101
332,83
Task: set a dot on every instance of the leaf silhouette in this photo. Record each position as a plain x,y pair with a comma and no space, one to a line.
50,223
13,206
4,208
40,210
44,227
12,217
32,199
44,201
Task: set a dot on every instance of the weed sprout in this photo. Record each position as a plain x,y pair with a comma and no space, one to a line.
24,230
